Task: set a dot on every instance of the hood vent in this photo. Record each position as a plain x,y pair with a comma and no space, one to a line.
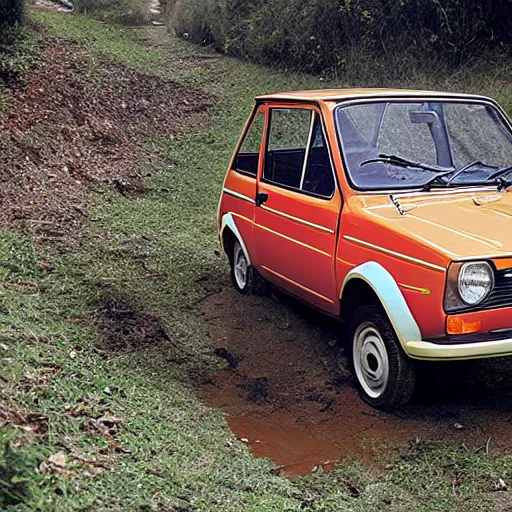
402,210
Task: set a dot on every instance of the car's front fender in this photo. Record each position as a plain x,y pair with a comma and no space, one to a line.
391,298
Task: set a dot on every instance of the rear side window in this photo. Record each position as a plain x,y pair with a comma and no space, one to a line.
248,157
297,155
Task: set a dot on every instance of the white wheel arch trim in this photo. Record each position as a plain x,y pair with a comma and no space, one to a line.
229,221
391,298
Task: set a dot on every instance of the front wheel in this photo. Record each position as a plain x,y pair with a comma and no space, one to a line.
245,277
386,376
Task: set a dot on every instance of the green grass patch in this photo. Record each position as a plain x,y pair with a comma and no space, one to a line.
154,256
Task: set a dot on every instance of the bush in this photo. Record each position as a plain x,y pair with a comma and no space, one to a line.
11,13
321,35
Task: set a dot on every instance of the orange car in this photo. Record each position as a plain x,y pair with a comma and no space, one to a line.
389,209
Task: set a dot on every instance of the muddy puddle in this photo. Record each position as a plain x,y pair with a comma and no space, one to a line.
282,394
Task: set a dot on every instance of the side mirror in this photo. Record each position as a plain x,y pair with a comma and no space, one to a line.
429,117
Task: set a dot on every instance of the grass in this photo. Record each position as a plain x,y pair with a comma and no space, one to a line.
155,251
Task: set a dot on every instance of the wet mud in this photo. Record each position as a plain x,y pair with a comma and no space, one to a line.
284,395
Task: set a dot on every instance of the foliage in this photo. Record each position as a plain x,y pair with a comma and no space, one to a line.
320,35
11,13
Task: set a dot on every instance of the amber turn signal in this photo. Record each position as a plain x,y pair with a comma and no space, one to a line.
459,325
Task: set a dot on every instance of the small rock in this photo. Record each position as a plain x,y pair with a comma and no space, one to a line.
244,440
458,426
499,485
58,459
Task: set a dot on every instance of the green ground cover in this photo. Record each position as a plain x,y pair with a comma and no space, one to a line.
153,254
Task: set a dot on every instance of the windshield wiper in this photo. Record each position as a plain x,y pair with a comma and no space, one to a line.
499,179
464,169
438,177
403,162
455,175
499,172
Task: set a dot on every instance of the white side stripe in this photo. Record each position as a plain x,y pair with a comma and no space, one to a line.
238,195
393,253
297,219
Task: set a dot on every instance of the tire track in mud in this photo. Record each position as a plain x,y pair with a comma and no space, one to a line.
282,393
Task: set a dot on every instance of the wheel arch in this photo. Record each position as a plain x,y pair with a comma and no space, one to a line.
372,282
229,232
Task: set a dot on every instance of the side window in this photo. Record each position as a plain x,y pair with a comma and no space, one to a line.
248,157
318,175
287,143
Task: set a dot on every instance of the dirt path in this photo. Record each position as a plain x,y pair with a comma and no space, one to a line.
282,395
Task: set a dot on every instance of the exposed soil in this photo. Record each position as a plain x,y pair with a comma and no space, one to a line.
282,393
80,122
125,329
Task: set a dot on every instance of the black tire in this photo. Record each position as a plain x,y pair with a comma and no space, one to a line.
366,355
253,284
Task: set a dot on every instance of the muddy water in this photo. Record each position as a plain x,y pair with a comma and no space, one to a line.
282,394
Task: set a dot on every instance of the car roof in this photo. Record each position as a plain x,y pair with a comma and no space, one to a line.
351,94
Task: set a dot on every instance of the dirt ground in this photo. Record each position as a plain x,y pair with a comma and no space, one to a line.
283,395
78,123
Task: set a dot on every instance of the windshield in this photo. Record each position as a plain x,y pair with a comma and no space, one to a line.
440,136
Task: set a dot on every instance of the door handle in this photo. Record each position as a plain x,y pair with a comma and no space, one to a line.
261,197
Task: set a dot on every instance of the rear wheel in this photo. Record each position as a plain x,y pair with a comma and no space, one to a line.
385,375
245,277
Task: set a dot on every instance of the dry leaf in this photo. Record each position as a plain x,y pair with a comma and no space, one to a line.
153,471
111,420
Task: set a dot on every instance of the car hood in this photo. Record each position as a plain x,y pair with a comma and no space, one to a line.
459,224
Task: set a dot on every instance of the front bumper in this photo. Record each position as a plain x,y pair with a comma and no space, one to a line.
478,346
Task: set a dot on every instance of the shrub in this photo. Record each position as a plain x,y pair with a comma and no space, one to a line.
11,13
320,35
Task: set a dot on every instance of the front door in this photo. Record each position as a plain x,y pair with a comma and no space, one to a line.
298,207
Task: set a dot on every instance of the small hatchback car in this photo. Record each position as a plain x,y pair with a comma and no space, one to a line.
389,209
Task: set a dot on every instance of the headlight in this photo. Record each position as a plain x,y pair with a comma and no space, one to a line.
468,284
476,280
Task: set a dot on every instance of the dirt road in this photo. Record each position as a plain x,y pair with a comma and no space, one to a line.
282,394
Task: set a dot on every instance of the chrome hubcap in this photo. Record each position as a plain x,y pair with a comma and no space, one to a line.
240,267
371,361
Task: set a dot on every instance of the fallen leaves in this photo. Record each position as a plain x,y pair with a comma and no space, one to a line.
33,422
106,426
75,464
155,472
71,128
